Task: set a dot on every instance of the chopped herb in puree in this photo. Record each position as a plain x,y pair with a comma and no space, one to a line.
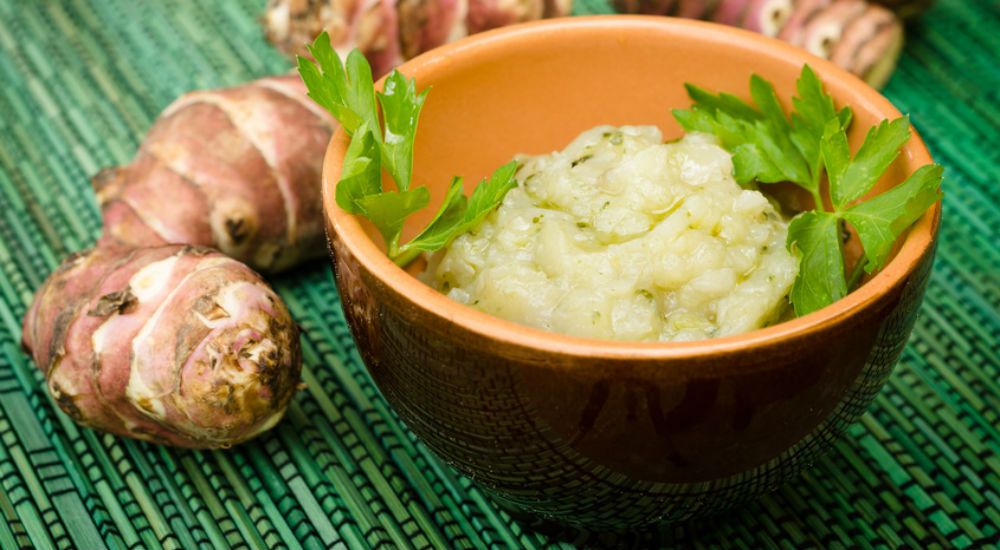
621,236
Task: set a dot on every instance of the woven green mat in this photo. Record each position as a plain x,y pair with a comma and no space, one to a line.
79,84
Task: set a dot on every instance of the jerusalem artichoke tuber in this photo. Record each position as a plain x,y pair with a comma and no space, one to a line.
821,34
174,344
859,36
391,31
237,169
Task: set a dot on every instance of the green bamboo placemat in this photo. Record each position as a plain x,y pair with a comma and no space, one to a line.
79,84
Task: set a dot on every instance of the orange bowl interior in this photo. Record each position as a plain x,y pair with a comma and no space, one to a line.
532,88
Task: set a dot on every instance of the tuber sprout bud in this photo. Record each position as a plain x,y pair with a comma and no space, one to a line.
767,16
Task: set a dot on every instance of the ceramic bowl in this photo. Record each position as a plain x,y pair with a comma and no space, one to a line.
612,435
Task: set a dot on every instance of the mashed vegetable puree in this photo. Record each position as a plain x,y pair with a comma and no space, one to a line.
621,236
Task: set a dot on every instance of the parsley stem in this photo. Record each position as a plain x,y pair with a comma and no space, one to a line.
818,200
405,257
856,273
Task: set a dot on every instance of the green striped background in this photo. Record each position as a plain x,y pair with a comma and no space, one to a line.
79,84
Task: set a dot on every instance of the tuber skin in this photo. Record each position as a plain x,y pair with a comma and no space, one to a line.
907,9
646,7
803,12
424,24
862,37
731,12
237,169
175,344
291,24
823,31
696,9
484,15
389,32
857,39
767,16
376,33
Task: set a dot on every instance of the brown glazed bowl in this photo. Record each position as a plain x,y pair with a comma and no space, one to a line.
602,434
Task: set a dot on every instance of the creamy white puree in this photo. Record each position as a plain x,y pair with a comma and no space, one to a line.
621,236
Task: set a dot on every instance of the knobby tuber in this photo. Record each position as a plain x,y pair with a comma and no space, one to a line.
238,169
174,344
389,32
859,36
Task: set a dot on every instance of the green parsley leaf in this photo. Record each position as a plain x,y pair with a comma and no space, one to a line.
815,237
488,195
347,91
750,163
760,139
730,131
349,95
361,88
695,120
361,174
769,146
457,215
766,99
389,209
778,132
723,102
880,148
880,220
813,109
443,227
835,152
400,108
781,153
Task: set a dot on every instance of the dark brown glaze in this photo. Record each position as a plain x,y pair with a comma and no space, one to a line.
619,444
615,435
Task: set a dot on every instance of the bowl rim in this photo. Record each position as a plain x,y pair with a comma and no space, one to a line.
918,242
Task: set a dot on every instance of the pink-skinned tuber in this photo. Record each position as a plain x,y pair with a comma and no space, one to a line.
174,344
389,32
858,36
862,37
237,169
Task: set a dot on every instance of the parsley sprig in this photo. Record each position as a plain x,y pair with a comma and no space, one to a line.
346,89
769,147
